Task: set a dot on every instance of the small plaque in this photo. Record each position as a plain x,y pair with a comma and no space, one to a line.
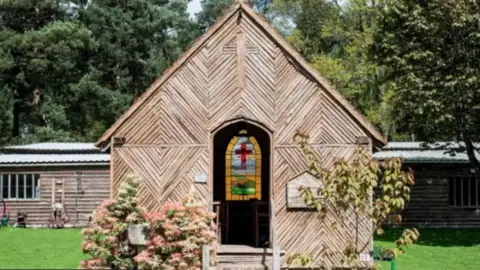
201,178
365,257
306,180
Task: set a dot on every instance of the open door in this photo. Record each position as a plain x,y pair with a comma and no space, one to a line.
242,184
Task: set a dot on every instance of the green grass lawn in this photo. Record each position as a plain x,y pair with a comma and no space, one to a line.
437,249
40,248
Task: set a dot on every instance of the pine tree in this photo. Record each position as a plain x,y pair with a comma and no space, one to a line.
42,52
138,40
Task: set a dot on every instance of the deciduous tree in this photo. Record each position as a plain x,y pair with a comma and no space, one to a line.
431,49
348,187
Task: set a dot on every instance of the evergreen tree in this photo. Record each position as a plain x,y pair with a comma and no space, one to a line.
41,52
138,40
212,10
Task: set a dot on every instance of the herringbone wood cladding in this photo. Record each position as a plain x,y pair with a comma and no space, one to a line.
240,71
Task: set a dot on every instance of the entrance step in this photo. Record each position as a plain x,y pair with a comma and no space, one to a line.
240,267
244,259
239,257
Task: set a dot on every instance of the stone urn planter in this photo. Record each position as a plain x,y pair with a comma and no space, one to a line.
138,234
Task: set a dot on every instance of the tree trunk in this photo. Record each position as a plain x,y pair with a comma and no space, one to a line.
471,155
17,108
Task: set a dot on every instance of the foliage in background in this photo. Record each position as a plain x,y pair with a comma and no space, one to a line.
212,10
432,49
138,40
106,239
41,53
70,68
349,185
179,231
335,38
68,71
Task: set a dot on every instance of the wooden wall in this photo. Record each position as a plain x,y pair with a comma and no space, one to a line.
95,183
240,73
429,205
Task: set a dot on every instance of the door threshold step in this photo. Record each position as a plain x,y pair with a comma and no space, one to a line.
240,267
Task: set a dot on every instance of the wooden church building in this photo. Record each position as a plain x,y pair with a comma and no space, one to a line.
223,119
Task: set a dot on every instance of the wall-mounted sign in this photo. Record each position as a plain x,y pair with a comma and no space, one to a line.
201,178
365,257
304,180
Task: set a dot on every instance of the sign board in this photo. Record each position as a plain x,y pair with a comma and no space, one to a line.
365,257
305,180
201,178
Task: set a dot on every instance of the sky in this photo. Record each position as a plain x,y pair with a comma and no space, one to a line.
194,7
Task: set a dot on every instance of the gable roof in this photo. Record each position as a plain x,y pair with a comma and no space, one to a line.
54,147
278,39
53,154
421,152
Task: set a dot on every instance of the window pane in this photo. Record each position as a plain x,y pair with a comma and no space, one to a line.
13,186
465,191
21,186
478,192
37,186
451,191
243,168
29,184
4,186
473,191
458,191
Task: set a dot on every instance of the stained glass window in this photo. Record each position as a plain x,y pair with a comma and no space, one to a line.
243,168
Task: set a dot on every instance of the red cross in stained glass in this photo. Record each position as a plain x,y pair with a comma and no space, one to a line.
243,152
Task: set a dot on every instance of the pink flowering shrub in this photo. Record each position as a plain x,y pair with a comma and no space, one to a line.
106,239
178,233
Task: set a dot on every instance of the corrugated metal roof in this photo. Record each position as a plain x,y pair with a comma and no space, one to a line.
54,146
53,158
423,145
419,152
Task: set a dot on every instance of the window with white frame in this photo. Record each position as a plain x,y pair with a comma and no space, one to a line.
464,191
20,186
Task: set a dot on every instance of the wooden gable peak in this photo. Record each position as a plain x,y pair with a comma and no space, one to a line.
243,6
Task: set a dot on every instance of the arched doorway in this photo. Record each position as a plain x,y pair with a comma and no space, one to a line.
241,183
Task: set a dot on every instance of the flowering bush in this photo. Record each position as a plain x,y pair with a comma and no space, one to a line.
106,239
179,231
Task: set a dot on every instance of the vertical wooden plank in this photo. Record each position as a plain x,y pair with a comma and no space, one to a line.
276,249
205,257
112,161
276,258
53,191
241,59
